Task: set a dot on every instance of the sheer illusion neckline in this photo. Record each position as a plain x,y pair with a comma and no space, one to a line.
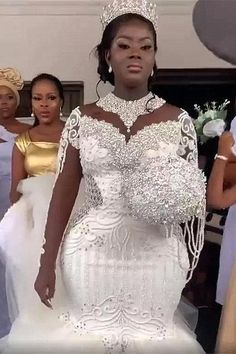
131,137
129,111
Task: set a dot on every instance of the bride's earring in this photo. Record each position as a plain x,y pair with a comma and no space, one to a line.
110,69
152,73
32,114
61,114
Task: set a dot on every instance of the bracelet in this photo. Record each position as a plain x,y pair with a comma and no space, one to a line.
221,157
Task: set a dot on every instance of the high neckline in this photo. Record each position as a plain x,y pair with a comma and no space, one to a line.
148,96
129,111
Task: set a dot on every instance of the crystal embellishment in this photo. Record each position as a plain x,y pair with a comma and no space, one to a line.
129,111
117,8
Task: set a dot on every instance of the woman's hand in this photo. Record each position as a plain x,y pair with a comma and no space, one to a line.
226,143
45,284
217,196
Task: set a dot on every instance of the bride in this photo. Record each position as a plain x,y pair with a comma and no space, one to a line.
111,278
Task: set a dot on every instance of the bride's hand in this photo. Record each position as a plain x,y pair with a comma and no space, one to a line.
45,284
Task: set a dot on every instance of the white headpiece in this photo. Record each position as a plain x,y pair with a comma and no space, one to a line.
116,8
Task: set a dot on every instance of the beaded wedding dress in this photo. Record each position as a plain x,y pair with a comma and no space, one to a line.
124,259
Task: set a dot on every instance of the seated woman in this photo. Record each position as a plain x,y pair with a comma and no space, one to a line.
223,198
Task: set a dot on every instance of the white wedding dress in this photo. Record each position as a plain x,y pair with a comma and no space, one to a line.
124,259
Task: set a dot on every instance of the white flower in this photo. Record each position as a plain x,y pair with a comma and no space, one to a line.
214,128
210,114
210,120
224,104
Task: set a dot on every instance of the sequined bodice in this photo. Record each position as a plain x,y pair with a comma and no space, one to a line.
105,155
113,167
103,144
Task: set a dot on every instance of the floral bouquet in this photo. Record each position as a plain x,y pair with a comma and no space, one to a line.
211,120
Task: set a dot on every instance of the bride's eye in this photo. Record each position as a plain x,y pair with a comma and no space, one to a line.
123,46
146,47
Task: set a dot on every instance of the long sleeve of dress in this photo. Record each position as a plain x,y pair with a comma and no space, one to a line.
65,190
194,229
188,143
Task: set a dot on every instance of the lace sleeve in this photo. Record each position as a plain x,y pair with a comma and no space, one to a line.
188,143
193,230
70,136
65,191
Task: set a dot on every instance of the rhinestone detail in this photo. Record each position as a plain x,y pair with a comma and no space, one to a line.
129,111
117,8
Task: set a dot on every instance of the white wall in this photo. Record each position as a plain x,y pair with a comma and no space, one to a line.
57,36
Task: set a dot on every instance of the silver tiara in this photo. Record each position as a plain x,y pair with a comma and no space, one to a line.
116,8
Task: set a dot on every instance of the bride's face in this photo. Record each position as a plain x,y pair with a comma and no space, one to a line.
132,54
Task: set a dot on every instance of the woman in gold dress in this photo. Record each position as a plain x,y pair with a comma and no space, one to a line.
35,151
33,170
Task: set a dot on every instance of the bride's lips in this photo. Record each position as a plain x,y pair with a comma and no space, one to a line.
135,68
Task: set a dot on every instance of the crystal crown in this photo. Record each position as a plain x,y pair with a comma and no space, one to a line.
116,8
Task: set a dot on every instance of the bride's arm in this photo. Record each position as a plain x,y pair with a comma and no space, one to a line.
63,198
64,194
217,197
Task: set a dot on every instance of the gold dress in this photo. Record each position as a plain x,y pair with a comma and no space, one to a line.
40,157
